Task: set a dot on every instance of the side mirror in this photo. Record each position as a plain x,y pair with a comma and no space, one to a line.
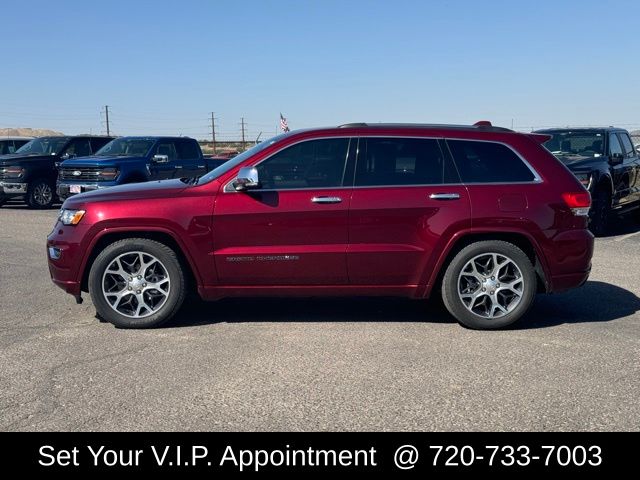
66,156
160,159
247,179
616,158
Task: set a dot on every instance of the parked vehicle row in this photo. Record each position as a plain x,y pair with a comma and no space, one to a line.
606,163
50,167
483,216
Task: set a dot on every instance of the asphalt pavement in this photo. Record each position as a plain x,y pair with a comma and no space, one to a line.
316,364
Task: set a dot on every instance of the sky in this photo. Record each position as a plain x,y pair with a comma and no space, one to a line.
163,67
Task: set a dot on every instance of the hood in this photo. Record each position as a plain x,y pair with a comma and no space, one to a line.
101,161
130,191
12,158
579,162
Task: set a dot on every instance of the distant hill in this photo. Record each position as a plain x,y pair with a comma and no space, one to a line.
27,132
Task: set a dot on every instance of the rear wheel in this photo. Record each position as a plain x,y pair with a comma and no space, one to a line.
40,193
489,284
600,212
137,283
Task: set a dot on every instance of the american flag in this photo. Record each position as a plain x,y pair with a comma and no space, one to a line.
283,124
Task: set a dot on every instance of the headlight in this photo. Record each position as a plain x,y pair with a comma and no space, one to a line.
70,217
585,179
107,174
13,172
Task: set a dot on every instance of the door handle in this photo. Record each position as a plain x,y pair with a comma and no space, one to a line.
326,200
444,196
178,166
200,166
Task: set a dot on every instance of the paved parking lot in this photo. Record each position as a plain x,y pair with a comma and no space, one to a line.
344,364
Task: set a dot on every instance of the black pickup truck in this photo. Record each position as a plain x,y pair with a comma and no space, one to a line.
32,170
606,163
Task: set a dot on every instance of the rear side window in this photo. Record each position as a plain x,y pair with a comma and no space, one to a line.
187,150
488,162
311,164
402,161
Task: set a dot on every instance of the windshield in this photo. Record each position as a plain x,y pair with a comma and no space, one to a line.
583,143
235,161
44,146
138,147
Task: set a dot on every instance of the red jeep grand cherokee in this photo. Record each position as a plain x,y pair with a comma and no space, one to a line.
483,214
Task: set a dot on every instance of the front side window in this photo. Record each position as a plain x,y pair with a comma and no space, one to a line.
626,144
614,145
488,162
402,161
168,149
310,164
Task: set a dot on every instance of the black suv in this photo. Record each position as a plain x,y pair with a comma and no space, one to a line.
606,163
32,170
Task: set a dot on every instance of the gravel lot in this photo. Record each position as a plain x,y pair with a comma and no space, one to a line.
331,364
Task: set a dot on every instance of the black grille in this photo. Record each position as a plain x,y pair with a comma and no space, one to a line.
82,173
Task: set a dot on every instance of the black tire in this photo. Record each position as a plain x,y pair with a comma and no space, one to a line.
41,193
600,212
171,266
450,288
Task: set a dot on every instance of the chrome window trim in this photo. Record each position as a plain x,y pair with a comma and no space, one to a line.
536,176
228,188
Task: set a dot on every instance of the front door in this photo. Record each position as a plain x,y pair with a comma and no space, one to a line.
406,197
293,229
167,167
622,172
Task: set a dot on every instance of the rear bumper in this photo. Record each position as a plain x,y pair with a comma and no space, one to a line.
569,259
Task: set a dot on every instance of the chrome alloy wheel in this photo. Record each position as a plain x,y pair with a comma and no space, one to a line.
43,194
490,285
136,284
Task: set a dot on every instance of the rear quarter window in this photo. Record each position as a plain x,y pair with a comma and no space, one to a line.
488,162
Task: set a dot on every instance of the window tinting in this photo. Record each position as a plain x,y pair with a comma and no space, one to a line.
187,150
312,164
168,149
614,144
79,148
626,143
488,162
402,161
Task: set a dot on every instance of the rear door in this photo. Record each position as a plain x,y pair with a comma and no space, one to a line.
193,165
407,198
293,230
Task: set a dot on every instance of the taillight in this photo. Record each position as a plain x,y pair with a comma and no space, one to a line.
578,202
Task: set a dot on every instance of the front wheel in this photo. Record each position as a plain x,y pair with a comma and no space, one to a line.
489,284
40,193
137,283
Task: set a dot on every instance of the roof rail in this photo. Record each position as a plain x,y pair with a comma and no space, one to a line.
482,124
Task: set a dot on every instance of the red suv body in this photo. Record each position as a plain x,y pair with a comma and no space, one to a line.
484,214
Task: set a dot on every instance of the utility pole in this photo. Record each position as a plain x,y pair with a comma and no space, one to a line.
213,132
106,115
242,123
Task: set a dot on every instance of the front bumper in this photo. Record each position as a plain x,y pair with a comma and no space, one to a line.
64,190
13,189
